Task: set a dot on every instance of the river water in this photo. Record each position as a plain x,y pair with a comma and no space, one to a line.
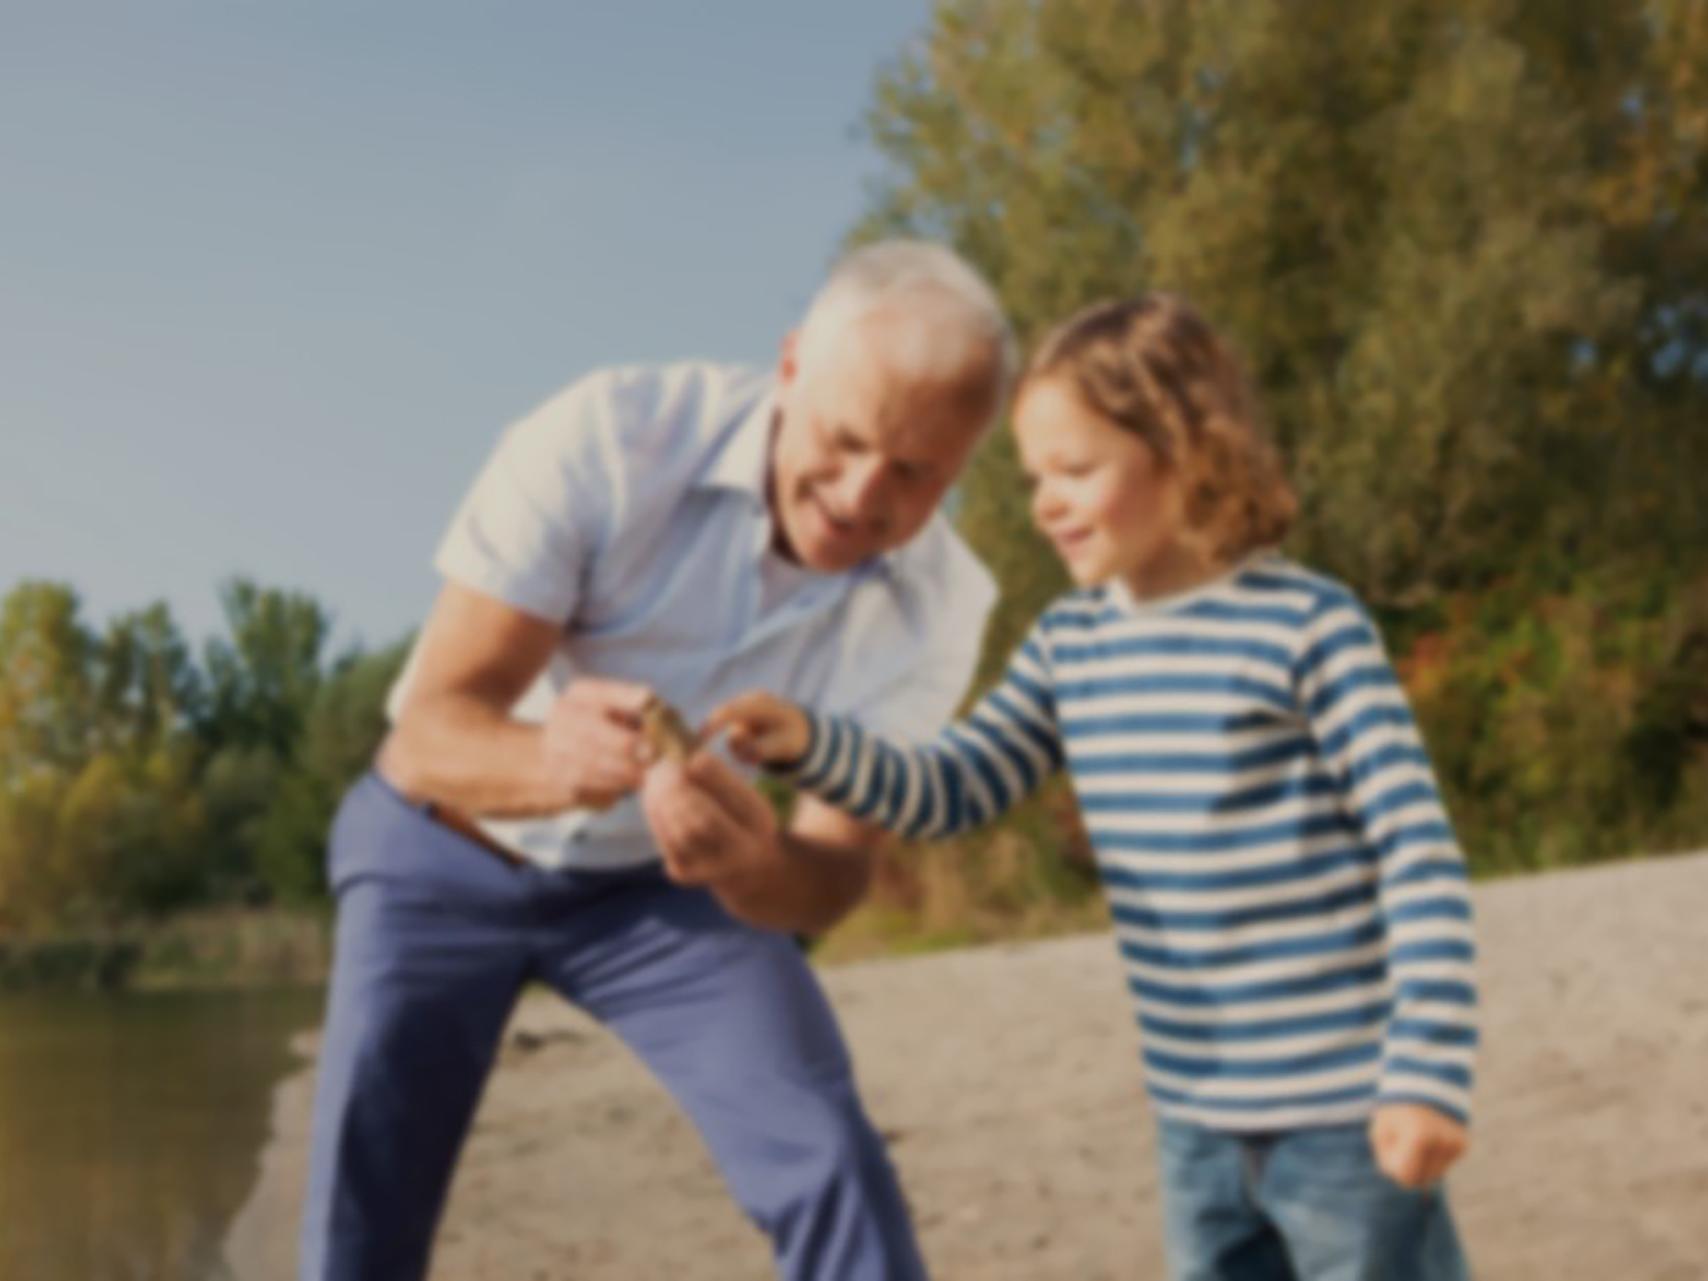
130,1126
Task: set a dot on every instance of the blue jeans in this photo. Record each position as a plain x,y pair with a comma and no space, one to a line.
1300,1205
436,937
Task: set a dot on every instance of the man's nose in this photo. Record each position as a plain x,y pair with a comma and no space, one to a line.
861,492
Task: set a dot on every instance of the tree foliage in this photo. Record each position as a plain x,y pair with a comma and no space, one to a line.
137,780
1463,246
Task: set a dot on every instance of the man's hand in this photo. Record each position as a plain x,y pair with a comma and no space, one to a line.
1414,1144
592,740
456,743
763,729
716,830
712,826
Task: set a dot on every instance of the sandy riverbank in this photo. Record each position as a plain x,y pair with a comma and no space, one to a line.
1007,1081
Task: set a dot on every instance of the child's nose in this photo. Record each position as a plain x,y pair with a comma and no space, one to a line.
1045,504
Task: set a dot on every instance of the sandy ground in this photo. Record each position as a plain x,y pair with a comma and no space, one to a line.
1007,1082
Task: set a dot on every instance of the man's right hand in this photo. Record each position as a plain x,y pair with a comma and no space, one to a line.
592,740
456,743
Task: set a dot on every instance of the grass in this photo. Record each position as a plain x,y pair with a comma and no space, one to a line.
215,948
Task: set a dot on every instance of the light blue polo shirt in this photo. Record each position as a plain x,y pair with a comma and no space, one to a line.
630,510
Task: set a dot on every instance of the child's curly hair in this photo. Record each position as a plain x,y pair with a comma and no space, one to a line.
1153,366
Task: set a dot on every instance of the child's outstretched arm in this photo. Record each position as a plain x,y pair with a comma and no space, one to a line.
764,729
973,771
1363,725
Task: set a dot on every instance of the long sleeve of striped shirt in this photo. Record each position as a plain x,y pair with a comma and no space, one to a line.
1365,732
976,769
1289,904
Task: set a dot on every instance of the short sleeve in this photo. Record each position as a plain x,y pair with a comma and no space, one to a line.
528,526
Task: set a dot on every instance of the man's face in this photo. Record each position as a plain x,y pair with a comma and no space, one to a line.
863,455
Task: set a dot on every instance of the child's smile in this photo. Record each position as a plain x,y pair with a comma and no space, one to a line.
1100,494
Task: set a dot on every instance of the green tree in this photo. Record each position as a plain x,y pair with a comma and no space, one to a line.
344,729
262,678
99,816
136,783
46,734
29,811
148,686
1464,247
46,697
1416,218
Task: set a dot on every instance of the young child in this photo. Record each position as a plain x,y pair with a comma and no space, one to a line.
1288,898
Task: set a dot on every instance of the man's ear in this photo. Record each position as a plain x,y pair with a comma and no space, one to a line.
788,362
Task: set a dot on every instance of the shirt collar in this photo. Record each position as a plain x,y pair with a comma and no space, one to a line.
744,459
1117,593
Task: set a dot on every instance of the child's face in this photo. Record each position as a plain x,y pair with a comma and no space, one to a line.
1100,494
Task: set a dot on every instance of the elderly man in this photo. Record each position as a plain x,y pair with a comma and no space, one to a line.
688,531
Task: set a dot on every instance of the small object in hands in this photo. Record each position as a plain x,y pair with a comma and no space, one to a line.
666,732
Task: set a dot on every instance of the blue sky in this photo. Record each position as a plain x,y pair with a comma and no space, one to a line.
273,275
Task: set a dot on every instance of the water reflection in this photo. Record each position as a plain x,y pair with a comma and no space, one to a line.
130,1127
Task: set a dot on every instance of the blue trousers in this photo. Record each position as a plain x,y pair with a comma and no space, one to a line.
1299,1205
435,938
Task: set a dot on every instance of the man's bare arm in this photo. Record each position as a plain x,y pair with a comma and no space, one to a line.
456,743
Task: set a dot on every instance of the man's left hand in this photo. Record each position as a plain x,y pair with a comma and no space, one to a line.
1415,1144
712,826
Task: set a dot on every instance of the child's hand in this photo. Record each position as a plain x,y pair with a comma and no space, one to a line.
1415,1144
763,729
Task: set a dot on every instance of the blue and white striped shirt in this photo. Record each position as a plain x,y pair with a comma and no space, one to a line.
1288,897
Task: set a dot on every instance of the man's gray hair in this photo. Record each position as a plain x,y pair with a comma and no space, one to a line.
961,320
